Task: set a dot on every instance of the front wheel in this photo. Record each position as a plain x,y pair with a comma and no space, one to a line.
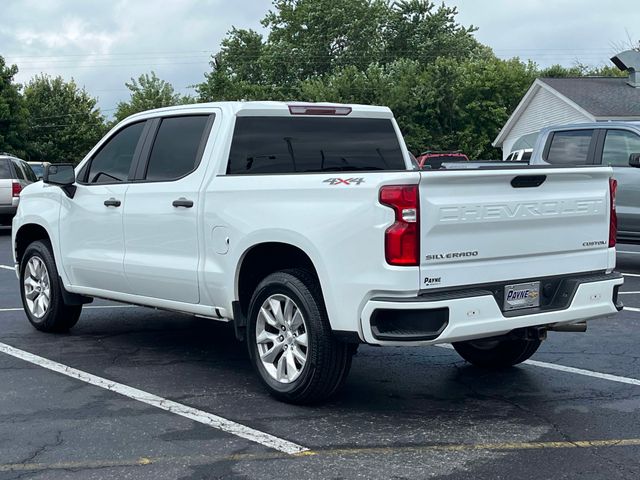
290,340
497,353
41,291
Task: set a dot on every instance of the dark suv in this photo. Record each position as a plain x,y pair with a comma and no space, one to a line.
15,174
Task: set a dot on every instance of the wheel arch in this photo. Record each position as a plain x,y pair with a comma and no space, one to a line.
26,235
262,259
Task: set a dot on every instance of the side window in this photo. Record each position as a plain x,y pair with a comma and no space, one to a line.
570,147
112,162
29,172
618,146
19,170
176,149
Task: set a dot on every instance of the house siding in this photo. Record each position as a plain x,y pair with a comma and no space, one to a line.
544,110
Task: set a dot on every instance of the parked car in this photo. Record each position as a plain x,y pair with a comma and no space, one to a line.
433,160
15,174
521,155
306,227
614,144
38,168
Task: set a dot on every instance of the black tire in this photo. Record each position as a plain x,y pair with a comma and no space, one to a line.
494,353
59,317
328,360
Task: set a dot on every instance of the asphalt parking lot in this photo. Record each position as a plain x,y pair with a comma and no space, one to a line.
137,393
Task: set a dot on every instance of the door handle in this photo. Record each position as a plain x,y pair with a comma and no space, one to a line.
112,202
183,202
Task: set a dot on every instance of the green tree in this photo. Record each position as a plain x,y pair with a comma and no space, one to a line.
13,115
447,90
148,92
420,30
581,70
310,39
64,121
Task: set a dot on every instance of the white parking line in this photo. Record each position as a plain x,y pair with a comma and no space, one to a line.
7,267
631,309
191,413
627,252
19,309
629,293
588,373
578,371
630,274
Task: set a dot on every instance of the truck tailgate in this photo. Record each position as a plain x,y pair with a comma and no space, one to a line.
485,226
5,191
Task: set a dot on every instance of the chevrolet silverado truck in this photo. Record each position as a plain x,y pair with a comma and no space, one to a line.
307,227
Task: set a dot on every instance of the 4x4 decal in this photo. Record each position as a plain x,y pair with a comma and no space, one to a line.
343,181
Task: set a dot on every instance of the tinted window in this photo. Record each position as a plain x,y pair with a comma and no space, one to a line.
4,169
19,170
175,150
295,144
570,147
618,145
113,161
29,172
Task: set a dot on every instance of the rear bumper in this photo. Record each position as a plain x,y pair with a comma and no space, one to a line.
470,314
8,209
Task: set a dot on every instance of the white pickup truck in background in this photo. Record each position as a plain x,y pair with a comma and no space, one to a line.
305,226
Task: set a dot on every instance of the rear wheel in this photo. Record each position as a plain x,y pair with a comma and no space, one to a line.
290,341
497,353
41,291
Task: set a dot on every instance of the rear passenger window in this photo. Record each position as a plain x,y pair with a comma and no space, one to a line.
19,171
294,144
29,172
618,146
113,161
570,147
177,148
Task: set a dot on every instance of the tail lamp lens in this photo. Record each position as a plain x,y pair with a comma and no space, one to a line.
16,188
402,239
613,217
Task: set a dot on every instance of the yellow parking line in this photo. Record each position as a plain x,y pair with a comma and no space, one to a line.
328,452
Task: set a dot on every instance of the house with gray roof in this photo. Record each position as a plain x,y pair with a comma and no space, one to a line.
559,101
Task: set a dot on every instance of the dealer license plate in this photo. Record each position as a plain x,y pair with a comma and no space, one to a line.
522,295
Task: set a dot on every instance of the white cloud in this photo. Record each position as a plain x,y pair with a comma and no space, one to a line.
103,44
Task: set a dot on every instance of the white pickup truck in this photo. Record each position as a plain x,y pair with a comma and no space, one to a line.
306,226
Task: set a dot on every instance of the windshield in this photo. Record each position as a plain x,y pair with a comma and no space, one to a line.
38,170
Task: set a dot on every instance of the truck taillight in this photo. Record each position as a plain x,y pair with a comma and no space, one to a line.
613,217
402,239
16,188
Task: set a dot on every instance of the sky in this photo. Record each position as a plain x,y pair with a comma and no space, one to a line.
102,44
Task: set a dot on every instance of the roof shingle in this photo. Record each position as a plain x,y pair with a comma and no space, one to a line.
600,96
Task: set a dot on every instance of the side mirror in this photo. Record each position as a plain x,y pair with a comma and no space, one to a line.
634,160
62,175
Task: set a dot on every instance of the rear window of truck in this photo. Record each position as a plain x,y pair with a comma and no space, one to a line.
263,145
